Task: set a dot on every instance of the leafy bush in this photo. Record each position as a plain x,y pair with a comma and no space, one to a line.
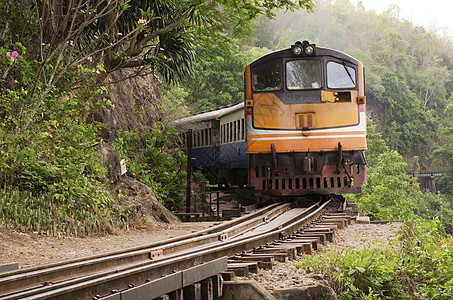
419,267
154,159
46,214
49,171
389,194
357,274
376,146
426,259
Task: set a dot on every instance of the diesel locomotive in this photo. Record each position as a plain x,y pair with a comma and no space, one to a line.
301,129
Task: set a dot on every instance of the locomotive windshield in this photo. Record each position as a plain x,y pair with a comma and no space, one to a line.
340,76
303,74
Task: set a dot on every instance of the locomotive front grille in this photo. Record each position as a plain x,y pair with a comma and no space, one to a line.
304,183
286,182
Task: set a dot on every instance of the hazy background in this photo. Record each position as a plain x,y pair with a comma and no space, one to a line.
437,15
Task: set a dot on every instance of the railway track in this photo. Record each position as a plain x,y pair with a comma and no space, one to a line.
161,268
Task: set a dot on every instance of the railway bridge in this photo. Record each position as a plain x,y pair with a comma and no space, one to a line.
427,180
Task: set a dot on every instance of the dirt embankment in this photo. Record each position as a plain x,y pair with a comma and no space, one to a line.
29,249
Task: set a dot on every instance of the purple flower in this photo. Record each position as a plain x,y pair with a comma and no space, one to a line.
14,54
8,54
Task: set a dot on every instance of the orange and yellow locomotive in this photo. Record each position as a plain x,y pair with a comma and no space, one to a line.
306,123
301,129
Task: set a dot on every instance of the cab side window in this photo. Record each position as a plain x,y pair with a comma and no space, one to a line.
267,78
340,76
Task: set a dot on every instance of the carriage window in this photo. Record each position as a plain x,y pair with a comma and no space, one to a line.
303,74
228,133
210,136
234,130
243,129
340,76
267,78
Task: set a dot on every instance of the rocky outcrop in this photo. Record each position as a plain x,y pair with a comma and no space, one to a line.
135,105
138,199
111,161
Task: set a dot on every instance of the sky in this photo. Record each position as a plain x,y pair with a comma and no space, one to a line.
427,13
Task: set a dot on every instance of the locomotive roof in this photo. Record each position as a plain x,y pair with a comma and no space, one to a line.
286,53
212,114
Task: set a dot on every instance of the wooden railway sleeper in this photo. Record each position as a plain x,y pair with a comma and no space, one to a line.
304,240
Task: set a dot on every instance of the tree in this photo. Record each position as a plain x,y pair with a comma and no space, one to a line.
217,80
137,33
444,153
410,128
107,35
389,194
430,84
376,146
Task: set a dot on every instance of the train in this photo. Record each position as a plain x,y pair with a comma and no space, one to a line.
301,129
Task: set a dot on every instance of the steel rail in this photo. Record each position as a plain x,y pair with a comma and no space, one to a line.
28,278
122,277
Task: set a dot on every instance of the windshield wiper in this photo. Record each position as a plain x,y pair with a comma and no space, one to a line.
349,74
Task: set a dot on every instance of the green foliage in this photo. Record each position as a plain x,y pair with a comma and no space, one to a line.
410,126
418,268
256,52
426,259
154,159
437,207
444,153
389,194
201,180
47,214
50,174
18,20
376,146
173,103
218,80
119,34
357,274
446,182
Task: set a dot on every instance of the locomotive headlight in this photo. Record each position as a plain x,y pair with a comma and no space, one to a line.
297,50
303,48
309,50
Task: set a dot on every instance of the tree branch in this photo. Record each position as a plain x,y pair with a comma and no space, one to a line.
137,48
